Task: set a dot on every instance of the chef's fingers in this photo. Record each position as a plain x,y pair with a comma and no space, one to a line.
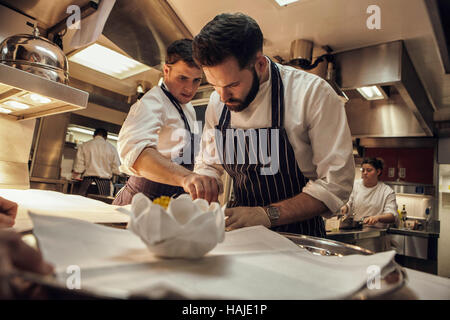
230,217
8,207
200,189
190,188
212,190
6,221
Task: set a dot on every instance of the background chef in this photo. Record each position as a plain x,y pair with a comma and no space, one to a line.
150,135
371,200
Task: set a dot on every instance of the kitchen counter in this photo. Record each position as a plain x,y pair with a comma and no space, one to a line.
416,233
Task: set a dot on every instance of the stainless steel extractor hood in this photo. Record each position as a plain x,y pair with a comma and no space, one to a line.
403,111
33,78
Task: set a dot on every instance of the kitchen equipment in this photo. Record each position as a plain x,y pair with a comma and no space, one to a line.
348,222
36,55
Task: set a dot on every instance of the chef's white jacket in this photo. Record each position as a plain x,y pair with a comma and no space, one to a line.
377,200
153,121
316,125
98,158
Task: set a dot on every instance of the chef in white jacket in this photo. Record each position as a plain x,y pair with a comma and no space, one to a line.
281,133
157,140
372,201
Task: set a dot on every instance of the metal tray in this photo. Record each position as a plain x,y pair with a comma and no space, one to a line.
393,277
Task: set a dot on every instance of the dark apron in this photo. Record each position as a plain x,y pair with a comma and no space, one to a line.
103,186
154,189
250,187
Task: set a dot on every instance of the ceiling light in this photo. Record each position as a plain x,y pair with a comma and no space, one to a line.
371,93
3,110
37,98
90,132
108,61
81,130
16,105
285,2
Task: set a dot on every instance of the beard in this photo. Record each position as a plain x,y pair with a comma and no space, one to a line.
243,104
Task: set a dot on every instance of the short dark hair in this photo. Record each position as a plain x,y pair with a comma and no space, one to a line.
101,132
181,50
377,163
228,34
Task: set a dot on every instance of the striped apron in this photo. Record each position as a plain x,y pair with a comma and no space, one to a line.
154,189
103,186
251,188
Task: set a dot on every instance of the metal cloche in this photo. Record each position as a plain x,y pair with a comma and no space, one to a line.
35,54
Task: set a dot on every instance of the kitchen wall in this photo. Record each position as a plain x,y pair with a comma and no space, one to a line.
444,217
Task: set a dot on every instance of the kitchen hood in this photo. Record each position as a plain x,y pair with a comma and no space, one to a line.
403,110
33,79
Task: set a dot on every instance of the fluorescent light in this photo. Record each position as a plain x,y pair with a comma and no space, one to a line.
90,132
108,61
16,105
285,2
37,98
116,138
370,93
81,130
3,110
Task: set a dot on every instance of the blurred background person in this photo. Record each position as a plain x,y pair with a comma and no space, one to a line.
97,160
371,200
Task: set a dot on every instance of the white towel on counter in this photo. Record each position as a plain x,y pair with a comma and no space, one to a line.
252,263
62,205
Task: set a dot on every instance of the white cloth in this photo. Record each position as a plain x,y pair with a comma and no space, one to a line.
252,263
368,202
188,229
316,125
153,121
98,158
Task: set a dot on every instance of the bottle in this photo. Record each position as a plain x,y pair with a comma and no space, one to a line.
404,214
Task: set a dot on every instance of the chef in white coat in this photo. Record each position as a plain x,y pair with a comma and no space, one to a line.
372,201
260,111
157,140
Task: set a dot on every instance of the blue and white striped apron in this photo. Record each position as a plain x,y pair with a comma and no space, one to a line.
250,187
151,188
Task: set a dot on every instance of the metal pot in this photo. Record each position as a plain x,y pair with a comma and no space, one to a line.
35,54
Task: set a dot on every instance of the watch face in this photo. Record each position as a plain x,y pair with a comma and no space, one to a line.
273,212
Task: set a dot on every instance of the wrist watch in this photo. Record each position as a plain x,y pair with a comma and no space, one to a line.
273,213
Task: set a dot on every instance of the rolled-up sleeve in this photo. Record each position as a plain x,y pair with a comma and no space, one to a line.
140,130
331,145
207,161
390,206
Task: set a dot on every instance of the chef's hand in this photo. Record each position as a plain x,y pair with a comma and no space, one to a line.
8,212
17,255
344,210
240,217
371,220
200,186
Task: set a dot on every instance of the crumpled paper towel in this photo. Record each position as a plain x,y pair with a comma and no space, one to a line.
188,229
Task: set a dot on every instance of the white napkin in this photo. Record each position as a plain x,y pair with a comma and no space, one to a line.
188,229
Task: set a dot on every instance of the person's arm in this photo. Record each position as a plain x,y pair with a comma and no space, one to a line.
115,163
153,166
79,165
389,214
8,212
333,159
